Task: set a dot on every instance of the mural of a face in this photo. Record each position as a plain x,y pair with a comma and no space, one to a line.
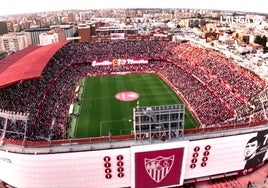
250,149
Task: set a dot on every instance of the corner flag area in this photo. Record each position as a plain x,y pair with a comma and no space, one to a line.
106,103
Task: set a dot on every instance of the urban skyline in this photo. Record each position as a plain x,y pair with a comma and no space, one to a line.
27,6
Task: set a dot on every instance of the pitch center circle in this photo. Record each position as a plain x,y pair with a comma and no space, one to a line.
127,96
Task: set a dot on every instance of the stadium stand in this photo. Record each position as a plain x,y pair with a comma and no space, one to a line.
218,91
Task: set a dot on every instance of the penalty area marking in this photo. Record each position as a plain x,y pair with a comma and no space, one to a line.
127,96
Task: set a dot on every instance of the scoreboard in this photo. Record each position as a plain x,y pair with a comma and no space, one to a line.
161,164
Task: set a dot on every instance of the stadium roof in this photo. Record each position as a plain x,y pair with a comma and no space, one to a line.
13,58
27,64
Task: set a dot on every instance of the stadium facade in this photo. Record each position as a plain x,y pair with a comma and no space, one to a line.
195,158
37,152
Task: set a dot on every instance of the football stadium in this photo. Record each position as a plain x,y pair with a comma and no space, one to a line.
137,113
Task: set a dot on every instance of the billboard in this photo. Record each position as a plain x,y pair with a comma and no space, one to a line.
158,165
226,154
103,168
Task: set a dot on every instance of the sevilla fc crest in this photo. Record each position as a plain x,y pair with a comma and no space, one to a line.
159,167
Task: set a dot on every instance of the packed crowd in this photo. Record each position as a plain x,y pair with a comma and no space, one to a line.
208,108
233,83
212,86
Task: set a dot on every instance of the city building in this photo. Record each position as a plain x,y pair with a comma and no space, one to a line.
84,33
13,42
48,38
34,34
65,31
3,28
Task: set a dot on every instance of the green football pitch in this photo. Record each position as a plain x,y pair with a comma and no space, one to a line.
101,114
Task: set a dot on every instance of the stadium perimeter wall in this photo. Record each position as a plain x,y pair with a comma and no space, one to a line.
161,164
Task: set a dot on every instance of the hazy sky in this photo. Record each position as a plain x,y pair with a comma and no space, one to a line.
27,6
